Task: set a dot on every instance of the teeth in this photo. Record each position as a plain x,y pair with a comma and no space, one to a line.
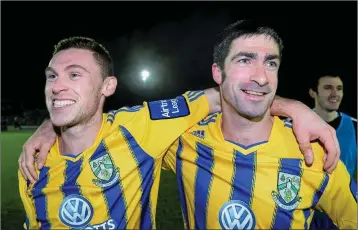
57,103
334,100
253,92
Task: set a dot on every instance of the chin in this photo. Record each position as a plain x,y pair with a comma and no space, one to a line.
60,122
251,114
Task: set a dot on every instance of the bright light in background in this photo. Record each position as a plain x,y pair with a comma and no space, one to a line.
145,74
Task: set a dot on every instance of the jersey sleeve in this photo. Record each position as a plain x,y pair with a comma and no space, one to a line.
30,219
339,200
157,124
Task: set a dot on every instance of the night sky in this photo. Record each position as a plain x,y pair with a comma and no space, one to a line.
174,41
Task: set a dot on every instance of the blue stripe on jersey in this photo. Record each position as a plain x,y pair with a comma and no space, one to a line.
192,94
243,180
353,188
73,170
203,180
146,168
211,118
40,198
113,113
319,192
288,125
283,218
27,223
306,214
179,175
196,96
114,193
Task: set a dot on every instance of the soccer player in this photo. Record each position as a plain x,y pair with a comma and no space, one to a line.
327,92
103,171
242,168
113,182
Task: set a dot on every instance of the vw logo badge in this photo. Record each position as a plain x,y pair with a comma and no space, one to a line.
236,214
76,211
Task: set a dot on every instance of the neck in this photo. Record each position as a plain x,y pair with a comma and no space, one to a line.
327,116
74,140
244,130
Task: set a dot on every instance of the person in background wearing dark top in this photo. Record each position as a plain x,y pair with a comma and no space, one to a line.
17,123
327,92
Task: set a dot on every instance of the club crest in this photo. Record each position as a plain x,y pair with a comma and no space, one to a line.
103,168
288,187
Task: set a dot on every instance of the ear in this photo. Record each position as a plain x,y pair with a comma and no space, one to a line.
312,93
109,86
217,73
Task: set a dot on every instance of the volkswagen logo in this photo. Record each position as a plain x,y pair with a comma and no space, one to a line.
236,214
76,211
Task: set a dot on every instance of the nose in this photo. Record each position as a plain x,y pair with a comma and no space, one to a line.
259,75
334,92
59,85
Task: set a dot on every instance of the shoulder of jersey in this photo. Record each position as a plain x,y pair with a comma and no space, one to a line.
124,115
352,118
290,139
201,129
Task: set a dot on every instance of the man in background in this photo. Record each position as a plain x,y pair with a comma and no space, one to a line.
327,92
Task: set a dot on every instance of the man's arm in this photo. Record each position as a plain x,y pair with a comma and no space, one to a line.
40,142
213,96
339,199
307,126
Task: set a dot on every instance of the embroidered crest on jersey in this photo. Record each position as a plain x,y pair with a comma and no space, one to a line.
168,109
103,168
288,186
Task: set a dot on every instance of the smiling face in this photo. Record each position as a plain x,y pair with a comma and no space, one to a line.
329,93
73,87
248,81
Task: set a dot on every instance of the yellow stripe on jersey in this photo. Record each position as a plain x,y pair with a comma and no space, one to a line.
114,183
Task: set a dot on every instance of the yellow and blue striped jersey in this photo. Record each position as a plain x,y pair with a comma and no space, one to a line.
224,185
114,183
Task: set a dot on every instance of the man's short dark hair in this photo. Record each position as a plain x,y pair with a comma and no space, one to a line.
100,53
242,28
315,79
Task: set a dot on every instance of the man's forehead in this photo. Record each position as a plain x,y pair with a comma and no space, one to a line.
330,80
72,57
260,44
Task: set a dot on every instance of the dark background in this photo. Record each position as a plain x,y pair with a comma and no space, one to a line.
174,40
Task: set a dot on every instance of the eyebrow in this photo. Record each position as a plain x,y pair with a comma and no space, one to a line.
50,69
332,85
255,55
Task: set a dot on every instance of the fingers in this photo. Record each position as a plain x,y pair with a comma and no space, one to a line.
24,170
28,164
20,166
306,150
330,142
41,157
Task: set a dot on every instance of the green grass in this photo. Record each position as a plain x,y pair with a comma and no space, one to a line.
12,212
